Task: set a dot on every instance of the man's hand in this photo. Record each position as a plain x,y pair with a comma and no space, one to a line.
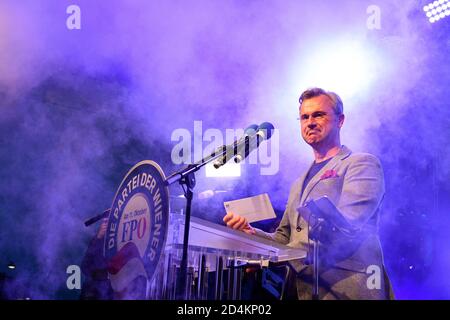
237,222
102,230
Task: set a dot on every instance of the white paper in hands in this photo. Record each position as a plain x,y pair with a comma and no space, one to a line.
255,208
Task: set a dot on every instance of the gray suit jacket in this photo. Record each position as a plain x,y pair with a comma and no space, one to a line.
356,189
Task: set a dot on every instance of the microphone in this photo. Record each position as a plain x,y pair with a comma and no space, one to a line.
102,215
232,149
264,132
209,194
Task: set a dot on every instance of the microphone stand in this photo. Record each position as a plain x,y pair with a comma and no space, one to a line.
315,236
186,178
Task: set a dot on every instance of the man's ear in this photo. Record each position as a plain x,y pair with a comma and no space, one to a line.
341,119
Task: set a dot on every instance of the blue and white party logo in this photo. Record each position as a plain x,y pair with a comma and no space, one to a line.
137,226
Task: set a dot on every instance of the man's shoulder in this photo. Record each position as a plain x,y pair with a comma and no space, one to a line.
363,157
360,162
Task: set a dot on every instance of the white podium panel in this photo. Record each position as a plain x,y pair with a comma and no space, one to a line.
217,259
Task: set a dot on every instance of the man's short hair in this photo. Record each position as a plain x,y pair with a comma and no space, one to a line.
315,92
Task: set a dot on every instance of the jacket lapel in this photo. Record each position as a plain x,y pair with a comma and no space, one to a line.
343,153
297,191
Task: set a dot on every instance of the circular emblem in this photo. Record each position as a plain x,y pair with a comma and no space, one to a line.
137,225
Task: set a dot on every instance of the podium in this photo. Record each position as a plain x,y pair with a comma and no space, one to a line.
217,260
150,253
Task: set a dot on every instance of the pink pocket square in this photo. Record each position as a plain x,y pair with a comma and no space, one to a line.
329,174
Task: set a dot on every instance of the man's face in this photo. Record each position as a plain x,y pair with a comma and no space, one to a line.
319,122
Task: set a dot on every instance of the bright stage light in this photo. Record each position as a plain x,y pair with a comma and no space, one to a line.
436,10
346,67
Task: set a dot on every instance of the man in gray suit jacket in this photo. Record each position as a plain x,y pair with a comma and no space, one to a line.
351,259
